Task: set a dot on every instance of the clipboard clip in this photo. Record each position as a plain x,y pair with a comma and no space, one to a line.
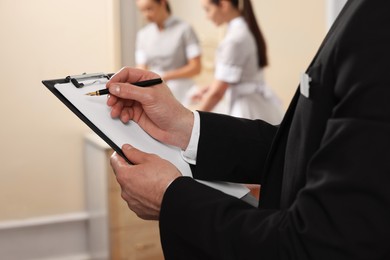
77,79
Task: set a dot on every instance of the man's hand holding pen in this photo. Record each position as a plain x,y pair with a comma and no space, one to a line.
156,111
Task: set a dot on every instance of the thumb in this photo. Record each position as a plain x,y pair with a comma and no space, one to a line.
117,162
133,154
126,91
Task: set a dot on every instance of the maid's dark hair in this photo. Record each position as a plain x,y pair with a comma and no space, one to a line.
167,5
250,18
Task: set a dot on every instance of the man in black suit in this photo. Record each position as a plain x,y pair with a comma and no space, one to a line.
325,171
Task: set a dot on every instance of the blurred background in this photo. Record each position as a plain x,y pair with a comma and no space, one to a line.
43,181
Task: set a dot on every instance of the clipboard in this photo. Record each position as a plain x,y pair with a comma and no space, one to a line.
95,113
77,81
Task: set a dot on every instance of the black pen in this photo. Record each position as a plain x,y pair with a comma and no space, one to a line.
145,83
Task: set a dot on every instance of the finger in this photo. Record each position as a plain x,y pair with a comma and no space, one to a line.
116,109
117,162
120,76
134,155
126,74
111,100
126,115
133,111
128,91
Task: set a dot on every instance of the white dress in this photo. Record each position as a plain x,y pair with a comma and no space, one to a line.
169,49
248,96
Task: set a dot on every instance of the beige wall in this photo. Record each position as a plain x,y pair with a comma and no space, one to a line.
41,171
293,31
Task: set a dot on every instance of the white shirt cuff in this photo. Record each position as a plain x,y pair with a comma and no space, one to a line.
189,155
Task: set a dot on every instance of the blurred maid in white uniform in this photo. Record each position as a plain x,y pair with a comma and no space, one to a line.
168,46
239,62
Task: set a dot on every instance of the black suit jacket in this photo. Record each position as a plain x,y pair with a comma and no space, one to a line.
325,171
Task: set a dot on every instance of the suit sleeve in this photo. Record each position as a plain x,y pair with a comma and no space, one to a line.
198,222
232,149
